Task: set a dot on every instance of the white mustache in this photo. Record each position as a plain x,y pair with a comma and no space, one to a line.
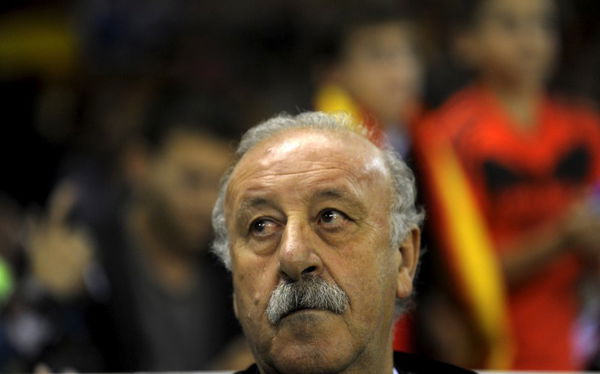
308,293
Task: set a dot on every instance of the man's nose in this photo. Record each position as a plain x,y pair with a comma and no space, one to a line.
297,254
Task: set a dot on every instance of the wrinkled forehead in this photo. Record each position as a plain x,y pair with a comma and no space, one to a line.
302,150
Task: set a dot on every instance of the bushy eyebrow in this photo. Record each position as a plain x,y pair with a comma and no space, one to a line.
330,193
333,194
342,196
251,203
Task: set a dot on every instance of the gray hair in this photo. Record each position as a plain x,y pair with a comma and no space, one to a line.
404,215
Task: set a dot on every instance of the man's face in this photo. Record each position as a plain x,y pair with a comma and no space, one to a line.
182,184
381,69
515,41
315,203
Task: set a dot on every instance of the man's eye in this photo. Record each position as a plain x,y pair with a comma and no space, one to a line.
332,218
263,227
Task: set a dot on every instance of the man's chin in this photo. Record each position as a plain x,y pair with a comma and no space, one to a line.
311,358
311,341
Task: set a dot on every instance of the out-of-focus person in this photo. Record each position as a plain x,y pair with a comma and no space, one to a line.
146,293
508,171
367,65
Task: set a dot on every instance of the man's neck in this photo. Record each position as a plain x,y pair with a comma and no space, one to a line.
172,265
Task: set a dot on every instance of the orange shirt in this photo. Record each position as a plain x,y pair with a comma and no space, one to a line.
521,181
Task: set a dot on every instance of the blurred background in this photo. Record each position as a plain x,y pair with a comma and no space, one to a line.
120,116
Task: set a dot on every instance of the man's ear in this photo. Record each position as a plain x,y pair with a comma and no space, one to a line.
409,251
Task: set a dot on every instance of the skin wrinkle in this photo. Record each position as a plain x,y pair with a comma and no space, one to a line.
280,153
250,202
269,177
250,207
356,212
243,201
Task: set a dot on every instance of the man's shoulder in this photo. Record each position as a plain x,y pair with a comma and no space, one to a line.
407,363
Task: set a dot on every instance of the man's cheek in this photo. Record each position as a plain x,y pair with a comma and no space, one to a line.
251,299
242,305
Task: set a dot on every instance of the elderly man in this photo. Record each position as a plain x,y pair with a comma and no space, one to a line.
320,231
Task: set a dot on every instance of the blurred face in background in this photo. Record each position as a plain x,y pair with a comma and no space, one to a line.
380,68
513,41
181,183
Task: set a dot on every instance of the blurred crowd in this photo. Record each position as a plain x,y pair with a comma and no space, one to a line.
121,116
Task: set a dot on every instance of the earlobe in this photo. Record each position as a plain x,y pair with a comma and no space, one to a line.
409,258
